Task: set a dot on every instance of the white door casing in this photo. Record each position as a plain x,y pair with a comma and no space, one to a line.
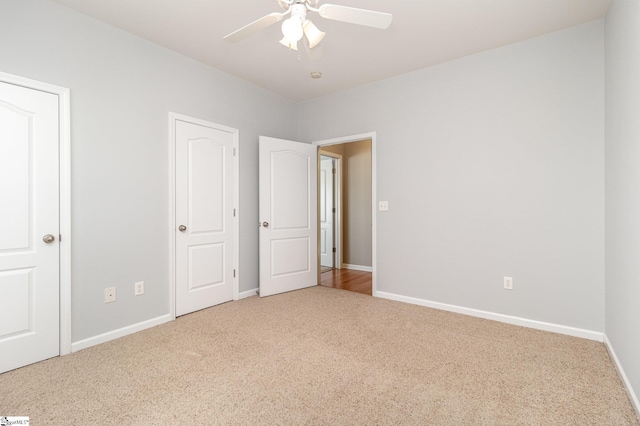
374,198
29,189
327,211
205,214
288,215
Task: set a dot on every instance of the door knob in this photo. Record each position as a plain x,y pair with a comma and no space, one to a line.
182,228
48,238
265,224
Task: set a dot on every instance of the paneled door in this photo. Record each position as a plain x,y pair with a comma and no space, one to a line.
288,215
29,226
327,211
205,214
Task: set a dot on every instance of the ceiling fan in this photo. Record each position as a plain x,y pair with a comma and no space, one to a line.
298,26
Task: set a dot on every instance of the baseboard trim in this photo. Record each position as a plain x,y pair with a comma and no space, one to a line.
248,293
627,384
357,267
121,332
134,328
523,322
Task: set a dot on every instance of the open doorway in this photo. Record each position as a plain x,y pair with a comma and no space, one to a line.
346,215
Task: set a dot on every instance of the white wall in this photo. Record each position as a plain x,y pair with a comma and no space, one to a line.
622,247
122,89
493,166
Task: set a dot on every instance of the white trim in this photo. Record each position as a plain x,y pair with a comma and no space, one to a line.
172,216
523,322
64,159
236,203
173,117
357,267
627,384
248,293
339,200
337,195
121,332
65,223
374,194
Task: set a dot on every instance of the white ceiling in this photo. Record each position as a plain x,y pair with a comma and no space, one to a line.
423,33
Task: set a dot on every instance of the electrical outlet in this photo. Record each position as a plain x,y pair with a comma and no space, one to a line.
109,295
139,288
508,283
383,206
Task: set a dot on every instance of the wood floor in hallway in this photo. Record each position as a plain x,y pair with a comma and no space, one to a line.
348,279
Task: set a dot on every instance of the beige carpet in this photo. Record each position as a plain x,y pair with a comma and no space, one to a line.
325,356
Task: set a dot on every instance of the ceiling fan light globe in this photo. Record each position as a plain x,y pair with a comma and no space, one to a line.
292,29
293,45
314,35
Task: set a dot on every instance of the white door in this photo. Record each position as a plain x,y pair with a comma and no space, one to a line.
29,226
205,222
327,211
288,215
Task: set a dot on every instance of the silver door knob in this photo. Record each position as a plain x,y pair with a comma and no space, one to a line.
182,228
48,238
265,224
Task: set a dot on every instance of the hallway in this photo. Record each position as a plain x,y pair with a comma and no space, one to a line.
348,279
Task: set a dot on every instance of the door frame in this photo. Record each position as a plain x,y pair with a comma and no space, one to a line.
173,117
64,197
337,197
374,212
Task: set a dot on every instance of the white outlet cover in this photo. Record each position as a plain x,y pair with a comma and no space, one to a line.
508,283
383,206
139,288
109,294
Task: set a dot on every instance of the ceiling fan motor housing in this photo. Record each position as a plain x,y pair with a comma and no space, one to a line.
286,4
299,9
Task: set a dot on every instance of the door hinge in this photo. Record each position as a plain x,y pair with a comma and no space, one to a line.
333,210
234,152
234,212
234,273
333,171
334,249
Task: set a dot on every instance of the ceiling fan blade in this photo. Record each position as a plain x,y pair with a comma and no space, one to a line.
254,27
353,15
